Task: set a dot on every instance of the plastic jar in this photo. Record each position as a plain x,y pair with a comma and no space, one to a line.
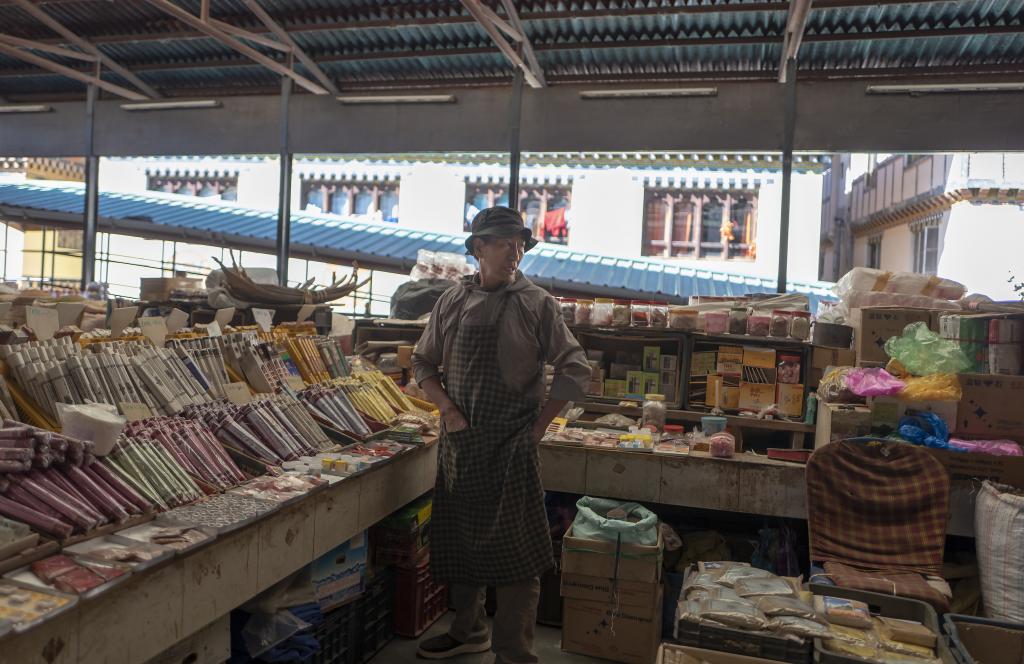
716,322
654,411
659,314
780,323
584,311
640,313
758,325
621,313
603,312
722,445
568,307
800,325
682,318
738,320
712,424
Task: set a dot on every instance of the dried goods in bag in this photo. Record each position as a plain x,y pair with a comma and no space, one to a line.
841,611
742,614
778,607
731,576
747,587
796,626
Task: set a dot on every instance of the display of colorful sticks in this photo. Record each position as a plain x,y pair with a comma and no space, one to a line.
304,353
54,484
207,355
192,445
332,406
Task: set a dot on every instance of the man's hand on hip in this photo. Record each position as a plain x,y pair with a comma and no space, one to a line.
454,420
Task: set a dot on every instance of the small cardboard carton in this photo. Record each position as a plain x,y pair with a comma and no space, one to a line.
606,591
873,326
991,406
597,558
627,634
666,651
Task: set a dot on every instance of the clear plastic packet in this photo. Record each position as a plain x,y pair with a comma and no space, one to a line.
731,576
718,592
852,635
688,611
720,566
900,648
906,631
701,581
742,614
846,612
775,585
796,626
841,647
781,607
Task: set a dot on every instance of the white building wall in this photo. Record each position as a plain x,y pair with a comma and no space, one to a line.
982,248
258,184
432,198
897,249
123,175
607,213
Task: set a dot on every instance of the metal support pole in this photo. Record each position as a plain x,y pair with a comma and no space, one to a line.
92,192
284,203
789,127
513,131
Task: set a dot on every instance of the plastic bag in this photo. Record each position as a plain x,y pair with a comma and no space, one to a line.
97,422
926,429
616,420
797,626
833,389
265,630
765,586
600,519
742,614
936,387
924,352
873,383
993,447
907,283
777,607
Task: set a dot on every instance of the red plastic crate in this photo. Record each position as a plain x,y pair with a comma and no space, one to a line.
419,600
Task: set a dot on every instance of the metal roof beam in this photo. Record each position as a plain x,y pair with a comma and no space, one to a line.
796,22
36,12
248,35
52,66
531,59
533,75
47,48
285,38
197,23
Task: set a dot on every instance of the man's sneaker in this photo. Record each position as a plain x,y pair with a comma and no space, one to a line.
444,647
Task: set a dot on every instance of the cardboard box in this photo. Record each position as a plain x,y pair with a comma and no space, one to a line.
712,397
839,422
628,634
822,358
652,383
160,288
618,371
992,406
709,656
597,558
966,467
652,358
405,356
887,411
635,382
730,360
763,358
755,397
703,364
669,363
731,398
790,399
873,326
668,384
599,589
614,388
337,576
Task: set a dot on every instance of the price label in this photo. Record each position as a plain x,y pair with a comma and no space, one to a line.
223,316
5,311
213,329
305,312
44,321
155,329
238,393
264,318
69,313
121,318
134,412
176,320
295,382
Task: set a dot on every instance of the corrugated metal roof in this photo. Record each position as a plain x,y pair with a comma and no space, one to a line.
391,42
387,246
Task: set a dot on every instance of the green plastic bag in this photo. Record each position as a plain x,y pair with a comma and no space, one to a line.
592,522
923,352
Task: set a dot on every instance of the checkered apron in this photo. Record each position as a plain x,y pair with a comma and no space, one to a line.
489,526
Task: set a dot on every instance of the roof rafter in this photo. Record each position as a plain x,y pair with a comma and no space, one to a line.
37,12
47,48
56,68
197,23
285,38
796,23
532,72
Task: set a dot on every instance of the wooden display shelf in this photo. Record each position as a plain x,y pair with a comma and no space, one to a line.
796,430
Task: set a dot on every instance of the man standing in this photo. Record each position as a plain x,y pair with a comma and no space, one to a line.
492,334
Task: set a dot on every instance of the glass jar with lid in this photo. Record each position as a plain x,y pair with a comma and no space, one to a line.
568,308
654,412
659,314
758,325
780,323
738,320
603,312
584,311
800,325
715,322
621,313
682,318
640,313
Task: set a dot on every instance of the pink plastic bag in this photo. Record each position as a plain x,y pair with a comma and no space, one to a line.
873,383
993,447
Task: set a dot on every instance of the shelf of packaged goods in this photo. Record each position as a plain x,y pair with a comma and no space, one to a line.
157,609
694,416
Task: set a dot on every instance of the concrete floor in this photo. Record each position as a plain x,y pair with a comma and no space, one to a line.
548,642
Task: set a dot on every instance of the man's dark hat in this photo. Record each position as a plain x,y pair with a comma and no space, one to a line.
499,221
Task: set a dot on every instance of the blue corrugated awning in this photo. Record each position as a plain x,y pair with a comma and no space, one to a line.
373,244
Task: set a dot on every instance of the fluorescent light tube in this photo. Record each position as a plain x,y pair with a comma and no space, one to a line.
651,93
25,108
943,88
170,105
397,99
